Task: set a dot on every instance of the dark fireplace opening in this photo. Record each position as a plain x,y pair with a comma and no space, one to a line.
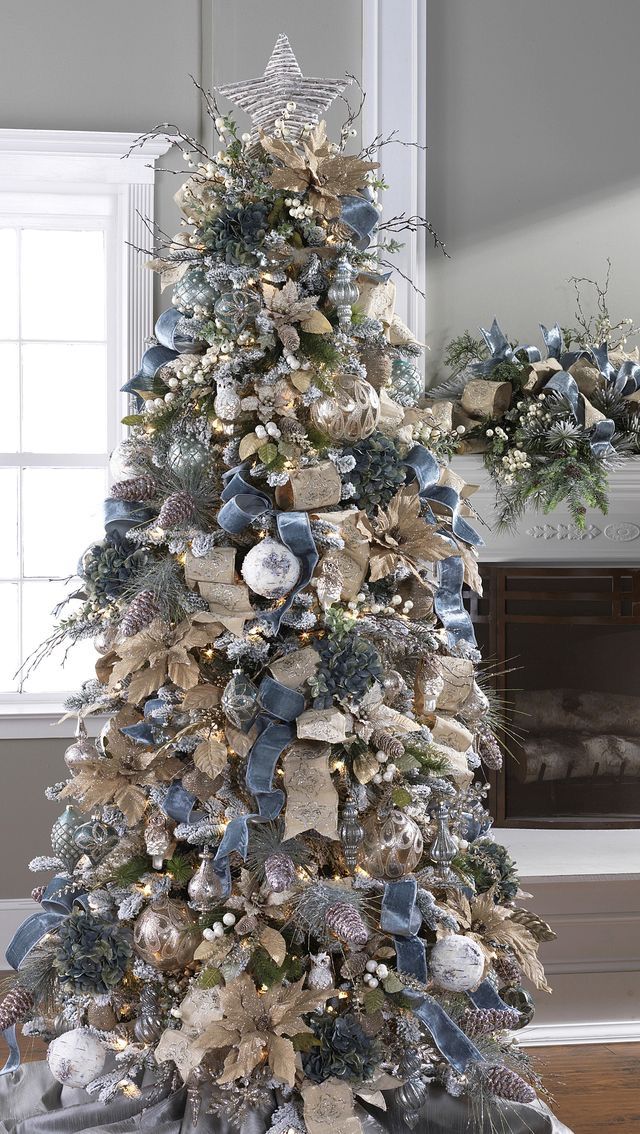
563,655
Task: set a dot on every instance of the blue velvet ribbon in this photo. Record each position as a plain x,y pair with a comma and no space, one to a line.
360,216
170,343
57,902
294,530
625,380
170,331
122,515
553,341
426,470
447,600
448,603
275,701
401,918
243,502
501,351
485,996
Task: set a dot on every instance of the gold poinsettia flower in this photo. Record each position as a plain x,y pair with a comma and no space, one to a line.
313,168
399,535
257,1026
491,925
119,777
286,306
155,654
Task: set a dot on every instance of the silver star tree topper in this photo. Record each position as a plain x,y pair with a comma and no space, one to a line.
283,95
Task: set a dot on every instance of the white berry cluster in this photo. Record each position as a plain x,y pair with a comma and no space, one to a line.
513,463
218,927
297,209
396,605
374,973
387,769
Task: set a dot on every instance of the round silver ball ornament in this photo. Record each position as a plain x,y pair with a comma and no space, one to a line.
270,569
392,847
75,1058
456,963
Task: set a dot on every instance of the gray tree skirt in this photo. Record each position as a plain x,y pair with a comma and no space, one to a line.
32,1102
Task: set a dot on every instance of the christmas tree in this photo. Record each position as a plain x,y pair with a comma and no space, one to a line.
273,880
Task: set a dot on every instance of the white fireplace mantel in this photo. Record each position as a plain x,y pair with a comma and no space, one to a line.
609,540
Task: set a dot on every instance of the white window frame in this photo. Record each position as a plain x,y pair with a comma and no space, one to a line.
395,82
79,164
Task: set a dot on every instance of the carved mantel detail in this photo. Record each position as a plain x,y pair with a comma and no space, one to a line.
608,540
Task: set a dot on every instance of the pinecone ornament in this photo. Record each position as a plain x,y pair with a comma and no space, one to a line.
321,973
489,750
136,488
15,1007
385,742
141,611
289,338
507,970
483,1021
177,509
346,924
279,872
507,1084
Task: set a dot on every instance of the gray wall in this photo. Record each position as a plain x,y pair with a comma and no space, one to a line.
533,160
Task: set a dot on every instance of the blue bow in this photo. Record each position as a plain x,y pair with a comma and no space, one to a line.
243,503
501,351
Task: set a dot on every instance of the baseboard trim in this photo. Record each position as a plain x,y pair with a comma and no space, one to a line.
608,1031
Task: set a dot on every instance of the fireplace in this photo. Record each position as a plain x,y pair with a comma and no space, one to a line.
563,655
559,625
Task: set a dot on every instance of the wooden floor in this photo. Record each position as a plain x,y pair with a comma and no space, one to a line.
594,1088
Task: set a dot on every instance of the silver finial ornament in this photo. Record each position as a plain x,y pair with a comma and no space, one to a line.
283,95
205,888
351,833
343,292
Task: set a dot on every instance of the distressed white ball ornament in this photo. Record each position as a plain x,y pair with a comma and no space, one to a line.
456,963
75,1058
270,569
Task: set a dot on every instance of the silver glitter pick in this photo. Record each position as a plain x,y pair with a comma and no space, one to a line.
265,99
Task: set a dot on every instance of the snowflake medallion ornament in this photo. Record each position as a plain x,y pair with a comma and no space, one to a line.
283,100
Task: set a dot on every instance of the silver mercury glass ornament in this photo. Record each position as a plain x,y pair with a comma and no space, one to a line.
205,888
343,292
148,1027
412,1095
443,848
351,833
63,841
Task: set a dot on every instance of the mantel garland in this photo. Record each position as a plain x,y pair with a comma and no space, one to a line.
273,880
551,425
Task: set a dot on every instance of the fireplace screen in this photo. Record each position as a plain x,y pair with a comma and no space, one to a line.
564,657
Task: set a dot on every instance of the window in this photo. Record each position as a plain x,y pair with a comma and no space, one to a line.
74,312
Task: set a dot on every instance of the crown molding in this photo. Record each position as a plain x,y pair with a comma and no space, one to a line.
71,143
50,156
